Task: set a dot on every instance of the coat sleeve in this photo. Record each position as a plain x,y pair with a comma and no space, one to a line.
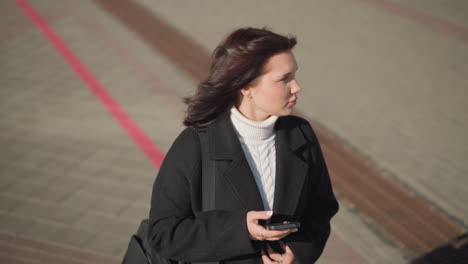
308,243
179,232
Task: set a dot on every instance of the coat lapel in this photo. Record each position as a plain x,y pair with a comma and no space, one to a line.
291,170
225,145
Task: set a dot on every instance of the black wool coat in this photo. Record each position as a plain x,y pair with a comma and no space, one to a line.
180,230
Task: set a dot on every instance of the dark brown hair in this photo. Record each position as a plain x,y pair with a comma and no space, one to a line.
236,63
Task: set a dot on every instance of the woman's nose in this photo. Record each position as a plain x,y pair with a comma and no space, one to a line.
295,88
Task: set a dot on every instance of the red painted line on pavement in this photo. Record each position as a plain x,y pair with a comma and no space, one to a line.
422,18
106,99
111,41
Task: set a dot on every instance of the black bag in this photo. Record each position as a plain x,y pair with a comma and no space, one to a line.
139,250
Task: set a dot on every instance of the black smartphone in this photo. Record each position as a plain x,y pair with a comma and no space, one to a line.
281,226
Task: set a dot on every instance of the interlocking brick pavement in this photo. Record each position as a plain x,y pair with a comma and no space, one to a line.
68,170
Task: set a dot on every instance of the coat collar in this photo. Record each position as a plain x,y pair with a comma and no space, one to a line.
225,145
291,170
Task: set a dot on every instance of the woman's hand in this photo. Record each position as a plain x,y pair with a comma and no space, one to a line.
259,232
277,258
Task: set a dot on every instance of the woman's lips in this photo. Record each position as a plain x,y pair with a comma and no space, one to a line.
292,102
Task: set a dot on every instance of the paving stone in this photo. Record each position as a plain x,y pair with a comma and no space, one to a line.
80,173
67,183
66,215
32,160
98,187
130,192
52,194
145,197
123,228
25,189
72,236
9,154
82,200
94,222
107,245
42,230
135,211
111,207
7,180
142,180
14,224
115,174
34,208
18,171
8,203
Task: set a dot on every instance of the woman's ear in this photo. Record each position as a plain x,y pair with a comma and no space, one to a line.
245,91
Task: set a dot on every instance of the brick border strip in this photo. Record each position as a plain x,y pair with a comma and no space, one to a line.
14,249
163,39
398,213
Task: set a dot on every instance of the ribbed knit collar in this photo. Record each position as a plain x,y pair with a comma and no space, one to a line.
250,129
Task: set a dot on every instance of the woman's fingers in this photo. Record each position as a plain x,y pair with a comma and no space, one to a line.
271,235
277,258
259,232
265,258
286,248
273,258
259,215
283,245
255,230
278,236
266,234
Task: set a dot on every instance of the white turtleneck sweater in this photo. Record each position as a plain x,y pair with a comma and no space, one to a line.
257,139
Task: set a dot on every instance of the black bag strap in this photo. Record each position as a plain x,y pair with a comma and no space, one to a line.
208,176
208,172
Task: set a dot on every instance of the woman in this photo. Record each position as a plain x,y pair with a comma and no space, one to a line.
269,164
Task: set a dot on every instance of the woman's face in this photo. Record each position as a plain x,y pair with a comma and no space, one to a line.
274,92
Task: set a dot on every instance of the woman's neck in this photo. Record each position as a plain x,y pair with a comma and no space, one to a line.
248,111
250,129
